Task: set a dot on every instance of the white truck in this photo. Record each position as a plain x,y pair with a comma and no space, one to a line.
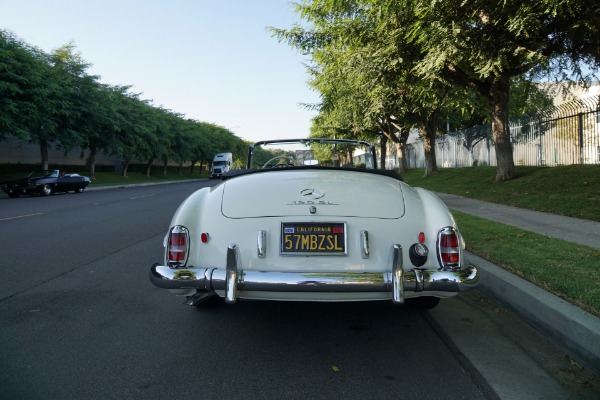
221,164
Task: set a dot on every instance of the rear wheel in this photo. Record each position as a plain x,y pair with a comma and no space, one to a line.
423,303
13,195
79,190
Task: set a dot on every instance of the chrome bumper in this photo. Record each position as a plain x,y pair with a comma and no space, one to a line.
394,281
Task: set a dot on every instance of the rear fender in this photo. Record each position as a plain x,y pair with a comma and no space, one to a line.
437,216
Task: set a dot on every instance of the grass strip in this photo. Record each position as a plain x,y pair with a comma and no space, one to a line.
114,179
572,190
568,270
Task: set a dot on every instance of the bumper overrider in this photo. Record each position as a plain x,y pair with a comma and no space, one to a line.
395,281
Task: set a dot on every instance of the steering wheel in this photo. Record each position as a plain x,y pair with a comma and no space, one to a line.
290,162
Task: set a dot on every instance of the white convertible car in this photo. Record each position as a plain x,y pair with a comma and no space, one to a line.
313,220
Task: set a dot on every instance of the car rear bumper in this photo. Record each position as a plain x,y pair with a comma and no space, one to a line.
395,281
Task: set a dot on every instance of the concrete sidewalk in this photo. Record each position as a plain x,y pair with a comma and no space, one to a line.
574,230
572,329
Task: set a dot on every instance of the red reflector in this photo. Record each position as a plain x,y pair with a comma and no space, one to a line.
204,237
421,237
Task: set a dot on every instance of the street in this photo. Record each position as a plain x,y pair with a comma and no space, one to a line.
79,318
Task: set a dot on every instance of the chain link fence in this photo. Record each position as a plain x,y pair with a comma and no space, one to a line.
564,135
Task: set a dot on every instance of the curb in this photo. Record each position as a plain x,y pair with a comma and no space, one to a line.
569,327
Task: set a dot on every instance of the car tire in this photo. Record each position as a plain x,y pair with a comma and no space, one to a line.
13,195
79,190
46,190
423,303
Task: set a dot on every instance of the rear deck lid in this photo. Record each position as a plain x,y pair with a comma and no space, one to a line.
333,193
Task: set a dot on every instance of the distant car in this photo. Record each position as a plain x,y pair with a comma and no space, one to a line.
45,183
316,222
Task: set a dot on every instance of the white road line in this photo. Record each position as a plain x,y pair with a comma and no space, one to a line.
141,197
21,216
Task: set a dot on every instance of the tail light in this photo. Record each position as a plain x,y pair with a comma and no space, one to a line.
178,246
449,250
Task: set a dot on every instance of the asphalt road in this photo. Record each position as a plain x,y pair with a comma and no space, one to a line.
80,319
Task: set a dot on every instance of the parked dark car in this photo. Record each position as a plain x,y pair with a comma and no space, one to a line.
45,183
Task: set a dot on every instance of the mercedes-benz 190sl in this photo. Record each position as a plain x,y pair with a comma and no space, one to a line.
313,220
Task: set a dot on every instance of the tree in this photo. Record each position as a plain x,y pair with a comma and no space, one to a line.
479,45
58,105
365,74
132,143
46,99
483,44
22,72
35,105
180,141
102,122
157,137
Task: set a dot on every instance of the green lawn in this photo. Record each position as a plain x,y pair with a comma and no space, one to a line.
114,179
565,269
568,270
570,190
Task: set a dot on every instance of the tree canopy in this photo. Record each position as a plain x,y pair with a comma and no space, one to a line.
395,64
51,99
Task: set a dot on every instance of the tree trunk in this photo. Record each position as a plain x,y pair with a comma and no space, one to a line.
430,162
401,150
401,156
165,166
192,167
350,156
92,161
44,153
427,129
499,95
125,167
383,145
387,126
149,166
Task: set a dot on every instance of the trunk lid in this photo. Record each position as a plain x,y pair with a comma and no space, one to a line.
332,193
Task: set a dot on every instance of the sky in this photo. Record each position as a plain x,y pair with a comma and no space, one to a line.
210,60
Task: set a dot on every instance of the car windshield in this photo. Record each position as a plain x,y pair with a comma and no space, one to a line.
335,153
216,163
40,174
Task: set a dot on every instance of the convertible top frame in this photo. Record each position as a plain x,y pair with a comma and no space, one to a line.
308,142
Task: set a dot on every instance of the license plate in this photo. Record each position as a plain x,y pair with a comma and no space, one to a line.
313,238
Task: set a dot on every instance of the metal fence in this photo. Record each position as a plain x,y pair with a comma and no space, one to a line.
564,135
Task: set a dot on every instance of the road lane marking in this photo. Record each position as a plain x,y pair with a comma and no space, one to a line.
141,197
21,216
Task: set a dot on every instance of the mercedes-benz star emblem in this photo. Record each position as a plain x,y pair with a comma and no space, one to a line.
312,194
